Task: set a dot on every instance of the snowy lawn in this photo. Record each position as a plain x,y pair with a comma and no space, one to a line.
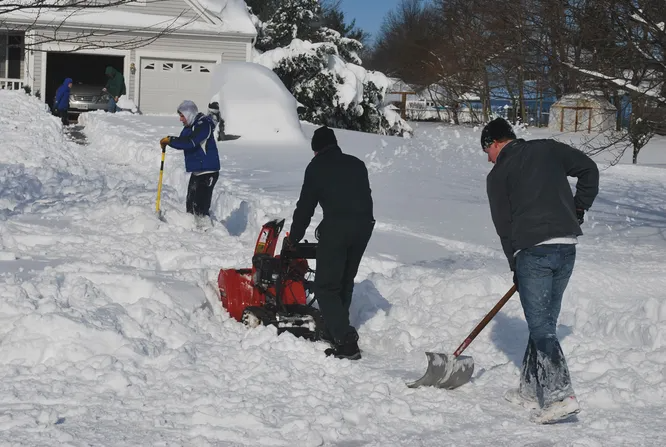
108,337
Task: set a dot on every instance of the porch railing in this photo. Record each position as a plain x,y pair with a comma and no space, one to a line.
11,84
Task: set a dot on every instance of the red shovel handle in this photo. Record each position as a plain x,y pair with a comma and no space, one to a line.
479,327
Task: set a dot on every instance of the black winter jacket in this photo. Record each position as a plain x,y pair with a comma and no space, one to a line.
339,183
530,197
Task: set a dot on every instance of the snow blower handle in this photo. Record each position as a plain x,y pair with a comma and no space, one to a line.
286,244
479,327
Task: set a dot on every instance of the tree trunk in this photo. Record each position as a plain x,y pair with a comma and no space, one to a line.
618,103
486,96
634,158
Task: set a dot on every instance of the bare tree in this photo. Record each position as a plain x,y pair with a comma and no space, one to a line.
526,50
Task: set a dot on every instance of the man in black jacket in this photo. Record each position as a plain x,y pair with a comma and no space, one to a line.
538,221
339,183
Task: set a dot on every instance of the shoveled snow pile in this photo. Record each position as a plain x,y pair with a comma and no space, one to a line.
255,104
124,103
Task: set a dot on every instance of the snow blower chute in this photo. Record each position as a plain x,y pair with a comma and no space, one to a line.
275,290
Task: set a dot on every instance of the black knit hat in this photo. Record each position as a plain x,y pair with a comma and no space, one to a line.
322,138
497,130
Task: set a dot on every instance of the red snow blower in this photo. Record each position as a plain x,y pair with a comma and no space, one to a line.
275,290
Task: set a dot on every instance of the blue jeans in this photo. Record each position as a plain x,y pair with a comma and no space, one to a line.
543,272
111,107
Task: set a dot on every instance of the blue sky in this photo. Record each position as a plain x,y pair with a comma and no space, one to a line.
369,14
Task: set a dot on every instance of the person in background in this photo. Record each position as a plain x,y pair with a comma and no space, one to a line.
115,87
61,102
339,183
214,113
197,141
538,221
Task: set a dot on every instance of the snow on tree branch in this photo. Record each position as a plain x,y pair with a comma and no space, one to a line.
624,83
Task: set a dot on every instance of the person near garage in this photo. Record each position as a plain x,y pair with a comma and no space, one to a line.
115,87
61,102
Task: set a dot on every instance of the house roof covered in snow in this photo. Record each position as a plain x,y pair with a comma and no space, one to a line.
216,17
398,85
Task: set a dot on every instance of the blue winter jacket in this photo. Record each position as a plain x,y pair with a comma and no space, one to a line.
62,96
198,145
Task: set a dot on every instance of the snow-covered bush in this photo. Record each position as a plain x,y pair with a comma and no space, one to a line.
323,71
294,18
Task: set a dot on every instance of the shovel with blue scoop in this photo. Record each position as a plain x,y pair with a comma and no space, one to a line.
449,372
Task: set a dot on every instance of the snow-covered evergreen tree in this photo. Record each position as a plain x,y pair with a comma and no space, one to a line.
322,69
294,19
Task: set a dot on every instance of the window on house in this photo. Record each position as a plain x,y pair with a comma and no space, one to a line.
150,66
186,67
167,66
203,69
15,56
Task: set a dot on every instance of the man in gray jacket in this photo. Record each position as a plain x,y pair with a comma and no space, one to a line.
538,221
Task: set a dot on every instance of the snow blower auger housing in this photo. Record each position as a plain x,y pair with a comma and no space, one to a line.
275,290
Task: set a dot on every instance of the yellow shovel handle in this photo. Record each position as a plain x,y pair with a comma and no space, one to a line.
159,184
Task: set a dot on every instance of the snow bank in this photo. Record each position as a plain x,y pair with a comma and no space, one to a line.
22,112
124,103
255,104
103,329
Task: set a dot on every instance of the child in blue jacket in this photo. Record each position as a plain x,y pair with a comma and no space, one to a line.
61,103
197,141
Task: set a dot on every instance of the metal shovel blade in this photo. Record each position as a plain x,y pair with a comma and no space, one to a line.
446,371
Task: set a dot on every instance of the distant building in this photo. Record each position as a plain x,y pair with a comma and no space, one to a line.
582,113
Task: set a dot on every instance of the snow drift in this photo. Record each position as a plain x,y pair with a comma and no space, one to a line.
103,328
255,104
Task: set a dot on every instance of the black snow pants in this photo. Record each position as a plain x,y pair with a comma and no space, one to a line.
64,116
339,252
200,193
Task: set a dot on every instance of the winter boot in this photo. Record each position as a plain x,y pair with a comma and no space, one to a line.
348,349
327,337
557,411
513,395
202,222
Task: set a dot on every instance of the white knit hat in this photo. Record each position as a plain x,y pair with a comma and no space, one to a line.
189,110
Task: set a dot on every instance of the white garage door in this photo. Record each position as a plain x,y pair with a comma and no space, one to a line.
166,83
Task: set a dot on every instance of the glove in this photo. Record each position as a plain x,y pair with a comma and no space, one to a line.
580,213
515,280
164,142
288,244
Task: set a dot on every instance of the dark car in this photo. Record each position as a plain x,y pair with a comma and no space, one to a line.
84,97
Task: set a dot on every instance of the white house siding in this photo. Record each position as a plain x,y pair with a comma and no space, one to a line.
225,48
231,48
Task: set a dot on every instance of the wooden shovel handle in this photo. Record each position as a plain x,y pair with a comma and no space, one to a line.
479,327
